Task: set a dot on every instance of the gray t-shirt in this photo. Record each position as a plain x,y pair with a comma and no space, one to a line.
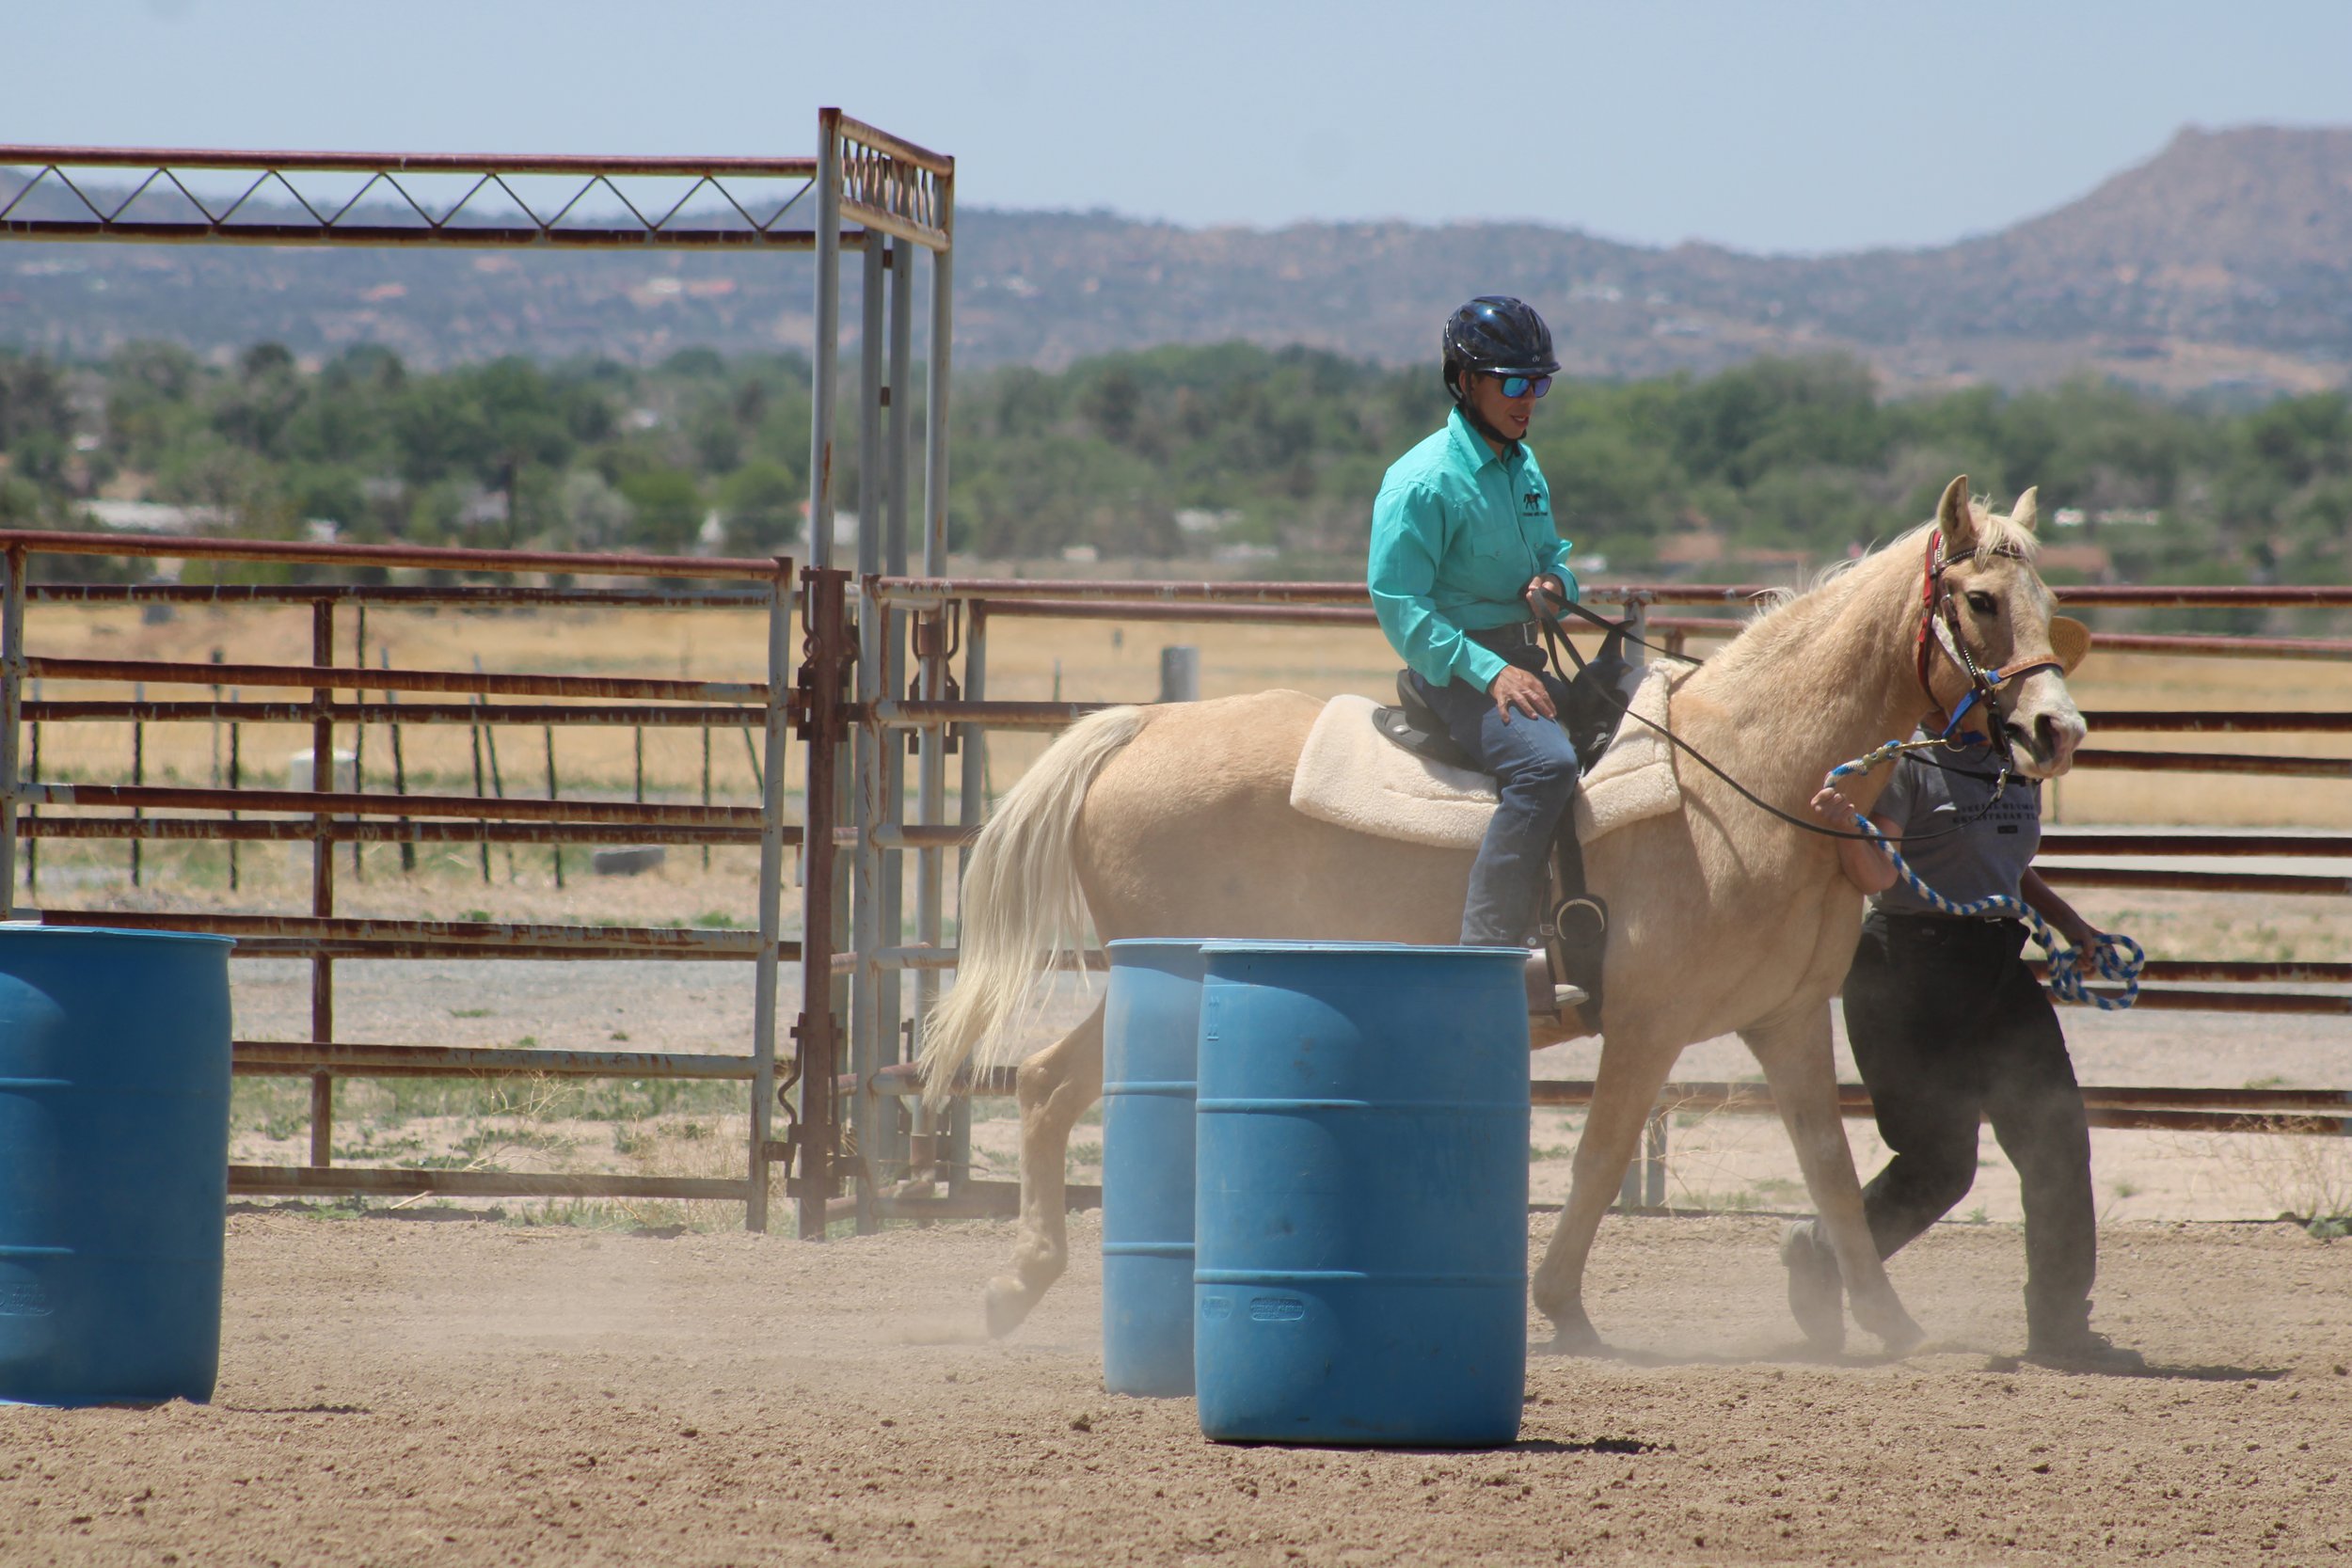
1933,789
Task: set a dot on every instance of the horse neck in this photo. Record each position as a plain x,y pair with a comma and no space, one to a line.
1819,681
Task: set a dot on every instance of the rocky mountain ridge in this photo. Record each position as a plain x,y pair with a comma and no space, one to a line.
2225,262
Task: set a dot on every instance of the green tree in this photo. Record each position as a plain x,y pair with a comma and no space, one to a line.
665,509
759,505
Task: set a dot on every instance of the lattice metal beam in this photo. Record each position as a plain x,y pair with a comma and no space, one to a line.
898,189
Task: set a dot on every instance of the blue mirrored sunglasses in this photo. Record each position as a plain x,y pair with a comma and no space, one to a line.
1524,386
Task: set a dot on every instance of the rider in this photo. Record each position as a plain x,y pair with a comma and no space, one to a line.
1464,556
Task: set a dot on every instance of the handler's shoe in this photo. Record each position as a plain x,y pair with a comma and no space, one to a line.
2083,1349
1817,1293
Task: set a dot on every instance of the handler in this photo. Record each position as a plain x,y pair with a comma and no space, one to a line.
1464,556
1948,1025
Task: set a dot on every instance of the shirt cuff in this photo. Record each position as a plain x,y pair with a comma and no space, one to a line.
1479,664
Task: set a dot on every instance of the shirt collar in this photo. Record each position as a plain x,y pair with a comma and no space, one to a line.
1472,447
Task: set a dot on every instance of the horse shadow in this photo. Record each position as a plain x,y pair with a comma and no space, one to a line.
1803,1353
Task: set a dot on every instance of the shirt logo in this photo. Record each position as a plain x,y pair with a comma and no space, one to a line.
1532,503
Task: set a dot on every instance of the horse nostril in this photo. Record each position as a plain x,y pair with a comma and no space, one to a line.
2054,739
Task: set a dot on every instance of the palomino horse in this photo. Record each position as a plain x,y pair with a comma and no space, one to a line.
1176,822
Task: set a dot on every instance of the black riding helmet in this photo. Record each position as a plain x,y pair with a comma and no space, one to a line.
1500,335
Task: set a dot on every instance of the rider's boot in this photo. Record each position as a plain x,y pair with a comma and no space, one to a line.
1546,997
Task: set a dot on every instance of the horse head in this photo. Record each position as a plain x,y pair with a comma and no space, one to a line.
1990,648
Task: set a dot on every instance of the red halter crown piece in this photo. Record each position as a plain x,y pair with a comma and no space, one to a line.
1932,570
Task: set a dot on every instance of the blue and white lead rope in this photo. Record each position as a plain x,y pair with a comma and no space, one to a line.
2114,957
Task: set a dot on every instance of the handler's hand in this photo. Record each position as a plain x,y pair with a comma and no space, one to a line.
1834,808
1545,597
2082,935
1515,687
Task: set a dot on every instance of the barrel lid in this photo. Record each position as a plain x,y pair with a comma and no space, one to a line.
1399,950
10,929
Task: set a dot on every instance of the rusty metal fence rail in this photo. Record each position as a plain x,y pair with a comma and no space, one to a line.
847,1125
948,613
34,810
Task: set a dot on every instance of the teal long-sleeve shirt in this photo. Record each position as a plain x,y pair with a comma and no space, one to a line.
1456,533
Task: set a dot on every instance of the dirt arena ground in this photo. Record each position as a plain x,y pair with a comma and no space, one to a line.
460,1392
431,1387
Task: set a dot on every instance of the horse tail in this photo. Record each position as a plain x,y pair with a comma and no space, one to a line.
1019,905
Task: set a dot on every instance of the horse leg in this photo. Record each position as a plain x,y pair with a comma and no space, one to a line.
1624,1091
1054,1088
1798,1063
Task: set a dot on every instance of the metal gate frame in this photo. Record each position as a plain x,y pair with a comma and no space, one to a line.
874,193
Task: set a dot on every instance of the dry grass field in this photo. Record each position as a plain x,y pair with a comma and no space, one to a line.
1077,661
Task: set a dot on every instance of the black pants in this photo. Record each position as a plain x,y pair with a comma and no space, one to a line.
1948,1026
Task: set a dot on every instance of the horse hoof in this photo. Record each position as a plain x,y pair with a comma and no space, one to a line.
1900,1336
1006,1304
1572,1335
1817,1297
1901,1342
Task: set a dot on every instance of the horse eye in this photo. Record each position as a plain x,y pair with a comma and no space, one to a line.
1984,604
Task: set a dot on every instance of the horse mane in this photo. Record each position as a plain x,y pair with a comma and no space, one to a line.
1784,613
1997,534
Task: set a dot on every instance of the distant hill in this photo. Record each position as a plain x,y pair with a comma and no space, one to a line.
2224,261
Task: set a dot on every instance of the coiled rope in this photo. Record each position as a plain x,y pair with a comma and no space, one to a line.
2114,957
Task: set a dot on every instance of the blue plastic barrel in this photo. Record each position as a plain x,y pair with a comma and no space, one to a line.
114,1164
1361,1215
1150,1037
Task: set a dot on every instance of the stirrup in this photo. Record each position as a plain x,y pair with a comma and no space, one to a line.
1545,996
1575,941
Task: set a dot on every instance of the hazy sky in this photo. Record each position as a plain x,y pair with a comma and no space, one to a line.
1801,125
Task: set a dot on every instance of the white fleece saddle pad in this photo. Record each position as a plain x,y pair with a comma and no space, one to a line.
1351,775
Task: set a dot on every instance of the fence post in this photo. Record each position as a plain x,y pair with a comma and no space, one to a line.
236,776
893,1037
474,732
358,730
866,784
12,714
771,889
322,881
400,766
215,779
1179,674
819,1032
497,780
546,733
1643,1185
971,806
138,776
32,810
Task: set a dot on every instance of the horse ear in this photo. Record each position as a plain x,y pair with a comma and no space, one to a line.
2025,513
1956,519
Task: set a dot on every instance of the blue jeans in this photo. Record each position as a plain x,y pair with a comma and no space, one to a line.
1536,770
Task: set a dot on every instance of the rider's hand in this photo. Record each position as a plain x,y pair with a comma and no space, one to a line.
1515,687
1546,597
